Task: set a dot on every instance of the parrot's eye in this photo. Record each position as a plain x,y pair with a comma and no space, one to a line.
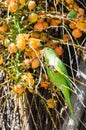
47,48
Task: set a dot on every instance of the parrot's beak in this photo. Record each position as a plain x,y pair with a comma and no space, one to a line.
43,52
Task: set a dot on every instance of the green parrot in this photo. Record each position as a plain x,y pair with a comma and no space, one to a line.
58,74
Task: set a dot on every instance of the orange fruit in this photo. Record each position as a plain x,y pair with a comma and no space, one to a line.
18,89
31,4
35,63
3,28
31,90
57,2
59,51
38,27
12,48
43,37
35,35
20,45
33,17
81,11
13,7
75,7
55,22
35,43
49,20
28,52
44,84
8,1
66,21
69,1
76,33
72,25
40,20
81,25
66,37
33,54
45,25
81,18
26,63
1,60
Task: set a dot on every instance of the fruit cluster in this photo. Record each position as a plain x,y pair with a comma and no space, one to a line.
28,26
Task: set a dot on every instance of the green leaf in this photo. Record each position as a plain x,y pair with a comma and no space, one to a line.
72,14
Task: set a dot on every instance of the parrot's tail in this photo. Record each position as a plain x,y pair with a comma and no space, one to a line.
74,117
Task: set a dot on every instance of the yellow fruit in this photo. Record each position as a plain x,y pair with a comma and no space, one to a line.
33,17
1,60
18,89
20,45
12,48
57,2
22,3
28,79
3,28
29,53
26,63
13,7
21,42
35,43
31,4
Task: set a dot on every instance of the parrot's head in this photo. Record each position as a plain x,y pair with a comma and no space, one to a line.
49,54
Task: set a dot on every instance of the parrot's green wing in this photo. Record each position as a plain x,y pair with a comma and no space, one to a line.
62,70
59,81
